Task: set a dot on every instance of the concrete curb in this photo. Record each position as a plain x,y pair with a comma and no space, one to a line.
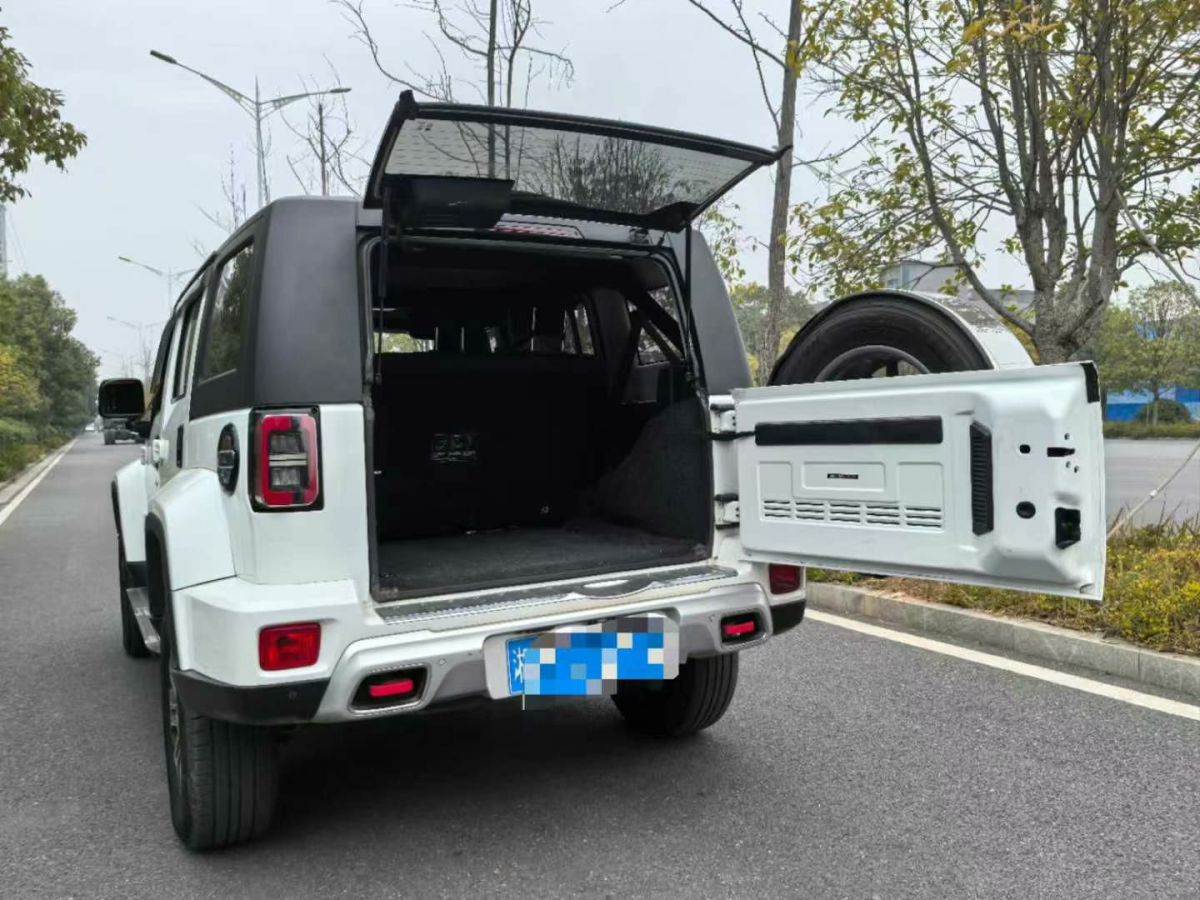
14,485
1060,645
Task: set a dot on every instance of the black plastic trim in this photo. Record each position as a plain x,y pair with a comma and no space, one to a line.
787,616
275,704
1091,380
913,430
983,516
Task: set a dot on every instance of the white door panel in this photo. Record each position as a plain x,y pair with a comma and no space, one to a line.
993,478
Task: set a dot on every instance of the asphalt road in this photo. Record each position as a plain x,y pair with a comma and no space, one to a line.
848,766
1134,468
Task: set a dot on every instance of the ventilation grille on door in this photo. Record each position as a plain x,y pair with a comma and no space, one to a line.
849,512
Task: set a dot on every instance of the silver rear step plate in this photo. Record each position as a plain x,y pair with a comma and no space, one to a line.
139,602
610,588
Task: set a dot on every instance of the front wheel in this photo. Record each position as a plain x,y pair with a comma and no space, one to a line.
223,777
692,701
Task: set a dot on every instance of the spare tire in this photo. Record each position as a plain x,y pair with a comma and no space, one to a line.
878,336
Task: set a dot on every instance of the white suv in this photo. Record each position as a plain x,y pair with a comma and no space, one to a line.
489,433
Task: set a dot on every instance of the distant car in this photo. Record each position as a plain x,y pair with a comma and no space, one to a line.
90,426
118,430
411,451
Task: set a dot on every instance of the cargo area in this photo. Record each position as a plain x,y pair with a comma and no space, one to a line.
534,419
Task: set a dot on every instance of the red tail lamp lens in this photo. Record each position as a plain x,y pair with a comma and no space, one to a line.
286,460
739,629
289,646
398,688
783,579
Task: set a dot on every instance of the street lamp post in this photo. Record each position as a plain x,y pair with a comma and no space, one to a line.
170,276
257,108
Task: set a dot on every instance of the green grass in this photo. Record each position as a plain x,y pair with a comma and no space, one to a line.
17,453
1139,430
1151,594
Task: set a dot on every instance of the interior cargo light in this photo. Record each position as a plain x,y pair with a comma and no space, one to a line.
289,646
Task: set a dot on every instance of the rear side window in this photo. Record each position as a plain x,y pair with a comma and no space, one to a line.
226,321
187,347
649,351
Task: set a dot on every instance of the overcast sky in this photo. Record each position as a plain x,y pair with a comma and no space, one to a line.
159,139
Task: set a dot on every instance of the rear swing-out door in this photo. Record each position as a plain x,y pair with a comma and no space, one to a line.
993,478
464,166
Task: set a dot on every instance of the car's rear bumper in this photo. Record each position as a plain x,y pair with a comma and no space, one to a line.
458,656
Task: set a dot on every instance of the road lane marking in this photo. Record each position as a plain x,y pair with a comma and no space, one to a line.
1063,679
28,489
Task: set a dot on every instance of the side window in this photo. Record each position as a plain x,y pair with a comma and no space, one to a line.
160,368
225,326
185,355
649,352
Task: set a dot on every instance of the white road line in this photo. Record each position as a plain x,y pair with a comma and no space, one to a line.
28,489
1087,685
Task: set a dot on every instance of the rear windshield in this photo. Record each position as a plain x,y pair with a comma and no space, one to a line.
590,170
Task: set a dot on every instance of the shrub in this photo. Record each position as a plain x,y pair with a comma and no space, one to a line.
1151,594
1169,412
1138,430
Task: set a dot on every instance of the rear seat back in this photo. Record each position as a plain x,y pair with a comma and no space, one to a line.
465,442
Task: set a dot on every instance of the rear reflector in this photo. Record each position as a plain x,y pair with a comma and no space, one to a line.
397,688
743,627
783,579
289,646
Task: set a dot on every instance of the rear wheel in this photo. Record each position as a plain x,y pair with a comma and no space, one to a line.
223,777
878,337
692,701
109,438
131,635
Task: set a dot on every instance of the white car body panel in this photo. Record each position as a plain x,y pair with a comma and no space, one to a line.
906,508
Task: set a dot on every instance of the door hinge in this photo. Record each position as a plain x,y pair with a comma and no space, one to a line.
728,514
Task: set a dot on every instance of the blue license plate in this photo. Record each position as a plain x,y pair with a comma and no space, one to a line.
589,660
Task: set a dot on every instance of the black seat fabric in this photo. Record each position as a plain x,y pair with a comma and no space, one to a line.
468,442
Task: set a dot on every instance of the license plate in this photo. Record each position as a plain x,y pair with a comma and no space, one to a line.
589,660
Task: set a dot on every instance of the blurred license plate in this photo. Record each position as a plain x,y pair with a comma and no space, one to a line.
589,660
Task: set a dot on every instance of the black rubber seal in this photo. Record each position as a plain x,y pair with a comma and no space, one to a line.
1091,380
914,430
275,704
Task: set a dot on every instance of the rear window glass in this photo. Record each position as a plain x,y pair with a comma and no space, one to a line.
649,351
599,171
226,321
491,328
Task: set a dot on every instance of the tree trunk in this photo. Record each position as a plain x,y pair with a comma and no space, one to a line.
491,84
776,246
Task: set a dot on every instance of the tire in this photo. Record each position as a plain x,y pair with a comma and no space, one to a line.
223,777
864,337
131,635
109,439
694,700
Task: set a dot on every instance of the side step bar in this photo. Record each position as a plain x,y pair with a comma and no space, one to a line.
139,601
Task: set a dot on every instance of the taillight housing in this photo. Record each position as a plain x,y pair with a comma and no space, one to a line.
289,646
286,460
784,579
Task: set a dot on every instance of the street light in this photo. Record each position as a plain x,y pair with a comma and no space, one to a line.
257,108
168,275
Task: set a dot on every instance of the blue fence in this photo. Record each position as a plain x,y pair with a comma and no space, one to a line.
1123,407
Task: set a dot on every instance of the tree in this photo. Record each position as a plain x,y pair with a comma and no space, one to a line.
30,123
777,54
752,306
41,353
1063,131
329,161
1153,343
493,35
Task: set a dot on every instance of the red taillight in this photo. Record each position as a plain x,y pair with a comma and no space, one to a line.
783,579
286,460
737,629
289,646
